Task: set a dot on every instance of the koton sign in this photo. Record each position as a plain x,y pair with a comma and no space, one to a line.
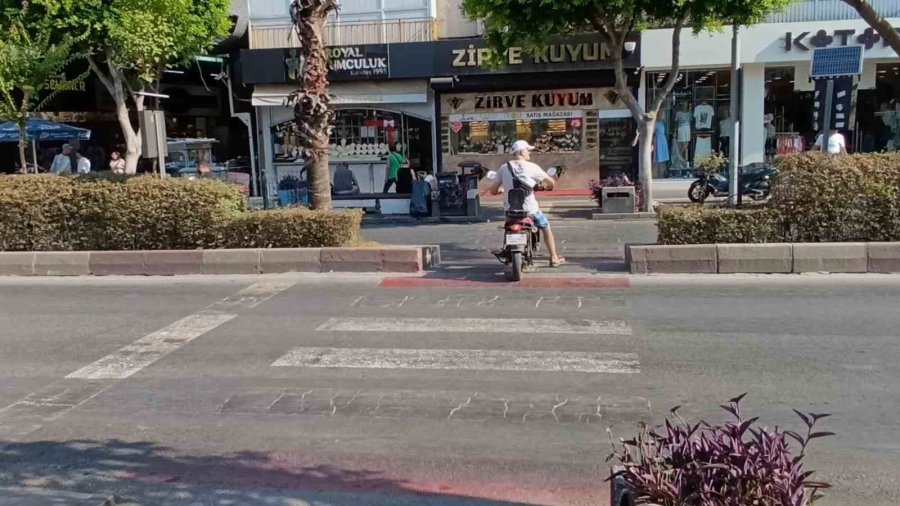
804,41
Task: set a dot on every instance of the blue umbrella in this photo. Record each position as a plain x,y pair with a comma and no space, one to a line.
43,130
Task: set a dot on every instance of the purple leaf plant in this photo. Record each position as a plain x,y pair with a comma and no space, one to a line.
737,463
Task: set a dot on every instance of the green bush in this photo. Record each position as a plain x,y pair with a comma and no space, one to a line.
815,198
292,228
822,198
711,225
55,213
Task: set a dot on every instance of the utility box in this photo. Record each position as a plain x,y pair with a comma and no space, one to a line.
617,200
153,134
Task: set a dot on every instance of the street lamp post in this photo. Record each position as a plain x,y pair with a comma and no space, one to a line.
734,106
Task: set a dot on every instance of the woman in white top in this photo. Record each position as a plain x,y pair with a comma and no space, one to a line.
836,143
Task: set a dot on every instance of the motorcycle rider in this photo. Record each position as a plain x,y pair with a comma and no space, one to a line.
521,168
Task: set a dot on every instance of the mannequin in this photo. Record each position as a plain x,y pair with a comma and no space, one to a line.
683,130
769,128
726,131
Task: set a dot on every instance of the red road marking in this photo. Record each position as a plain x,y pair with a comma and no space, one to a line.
528,282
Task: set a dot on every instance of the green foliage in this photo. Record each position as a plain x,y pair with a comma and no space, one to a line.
293,228
711,225
29,61
815,198
823,198
40,213
141,36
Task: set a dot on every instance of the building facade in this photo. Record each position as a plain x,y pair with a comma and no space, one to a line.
776,92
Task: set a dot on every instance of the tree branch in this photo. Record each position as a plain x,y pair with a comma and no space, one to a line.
876,21
105,79
676,65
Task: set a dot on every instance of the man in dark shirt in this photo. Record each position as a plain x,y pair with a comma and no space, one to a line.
344,181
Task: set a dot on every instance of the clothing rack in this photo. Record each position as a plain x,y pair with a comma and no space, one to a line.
789,143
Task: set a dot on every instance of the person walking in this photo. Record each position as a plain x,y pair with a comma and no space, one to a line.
836,145
62,162
117,163
395,162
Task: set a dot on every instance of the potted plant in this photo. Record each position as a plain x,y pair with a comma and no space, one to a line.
735,463
712,164
287,190
615,181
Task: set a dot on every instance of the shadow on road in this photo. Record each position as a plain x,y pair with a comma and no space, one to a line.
145,473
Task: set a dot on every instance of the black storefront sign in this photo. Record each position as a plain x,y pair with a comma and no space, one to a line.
445,58
362,62
472,56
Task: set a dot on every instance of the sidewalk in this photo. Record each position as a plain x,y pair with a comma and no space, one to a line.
29,496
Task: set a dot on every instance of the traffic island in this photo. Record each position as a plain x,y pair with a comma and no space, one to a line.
395,259
777,258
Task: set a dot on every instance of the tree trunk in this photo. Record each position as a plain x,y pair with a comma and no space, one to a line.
312,110
132,139
646,162
23,144
876,21
114,82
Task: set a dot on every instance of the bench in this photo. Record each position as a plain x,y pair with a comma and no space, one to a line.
378,203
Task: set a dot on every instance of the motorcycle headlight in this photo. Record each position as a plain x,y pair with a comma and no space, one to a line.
765,178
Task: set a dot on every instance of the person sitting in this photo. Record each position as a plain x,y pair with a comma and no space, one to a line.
344,181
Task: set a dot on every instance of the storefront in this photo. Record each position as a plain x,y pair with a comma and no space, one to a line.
560,98
373,111
443,105
777,94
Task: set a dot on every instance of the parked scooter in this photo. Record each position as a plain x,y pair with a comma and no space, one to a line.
521,236
753,183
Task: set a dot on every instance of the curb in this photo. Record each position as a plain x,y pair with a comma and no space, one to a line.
772,258
623,216
396,259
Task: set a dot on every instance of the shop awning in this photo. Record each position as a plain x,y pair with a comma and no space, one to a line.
361,93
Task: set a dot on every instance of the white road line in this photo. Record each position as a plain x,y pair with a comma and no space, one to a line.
152,347
480,325
474,360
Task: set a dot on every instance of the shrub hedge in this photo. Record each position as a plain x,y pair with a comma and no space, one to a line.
55,213
815,198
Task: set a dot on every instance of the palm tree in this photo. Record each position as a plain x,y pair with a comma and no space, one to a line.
311,101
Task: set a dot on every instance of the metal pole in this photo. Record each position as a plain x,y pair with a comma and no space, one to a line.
826,122
34,154
734,112
159,121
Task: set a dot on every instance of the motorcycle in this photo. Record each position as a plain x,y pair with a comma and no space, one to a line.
521,236
754,184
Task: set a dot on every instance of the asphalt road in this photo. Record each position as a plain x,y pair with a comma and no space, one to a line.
295,389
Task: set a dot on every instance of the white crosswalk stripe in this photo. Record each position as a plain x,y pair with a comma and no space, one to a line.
475,360
479,325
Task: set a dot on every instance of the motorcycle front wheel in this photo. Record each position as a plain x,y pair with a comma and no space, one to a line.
517,266
698,192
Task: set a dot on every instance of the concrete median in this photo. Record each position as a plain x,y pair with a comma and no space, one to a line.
777,258
399,259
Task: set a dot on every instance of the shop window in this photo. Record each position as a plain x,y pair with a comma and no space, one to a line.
694,120
561,132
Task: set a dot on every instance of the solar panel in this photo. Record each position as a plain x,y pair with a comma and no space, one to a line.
837,61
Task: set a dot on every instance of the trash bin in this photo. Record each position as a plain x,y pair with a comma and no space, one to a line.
618,200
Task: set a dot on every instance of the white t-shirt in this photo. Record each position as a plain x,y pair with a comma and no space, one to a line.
527,172
84,165
703,116
835,143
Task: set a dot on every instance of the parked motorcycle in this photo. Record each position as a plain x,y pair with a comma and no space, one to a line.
521,236
753,183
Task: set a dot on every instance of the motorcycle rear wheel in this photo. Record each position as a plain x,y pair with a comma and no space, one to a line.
517,266
698,192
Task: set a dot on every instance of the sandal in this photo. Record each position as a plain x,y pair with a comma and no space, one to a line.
558,263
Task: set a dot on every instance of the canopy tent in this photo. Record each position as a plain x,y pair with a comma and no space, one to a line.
37,130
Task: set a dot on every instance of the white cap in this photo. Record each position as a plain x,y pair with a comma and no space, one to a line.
521,146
